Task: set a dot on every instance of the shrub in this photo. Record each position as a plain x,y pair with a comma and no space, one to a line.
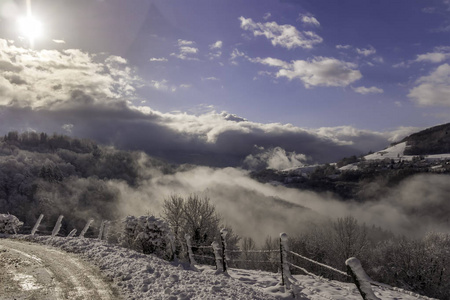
9,224
148,234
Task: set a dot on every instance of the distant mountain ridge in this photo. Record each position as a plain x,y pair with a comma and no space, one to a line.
434,140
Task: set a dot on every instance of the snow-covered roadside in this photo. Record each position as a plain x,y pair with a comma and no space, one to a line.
141,276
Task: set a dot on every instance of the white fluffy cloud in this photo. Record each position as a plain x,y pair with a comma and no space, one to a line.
286,36
320,71
275,158
216,45
366,51
309,20
367,90
439,55
186,50
434,89
215,50
47,77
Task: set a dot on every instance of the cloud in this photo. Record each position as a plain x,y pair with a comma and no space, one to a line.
259,210
59,41
186,50
215,50
216,45
401,65
52,75
320,71
309,20
275,158
343,47
162,85
367,90
44,90
161,59
185,42
434,89
439,55
212,78
432,57
366,51
286,36
267,16
235,54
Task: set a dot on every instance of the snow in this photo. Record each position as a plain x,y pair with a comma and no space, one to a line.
141,276
397,151
362,278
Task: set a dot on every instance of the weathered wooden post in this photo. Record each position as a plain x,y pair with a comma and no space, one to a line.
57,225
361,279
189,250
285,272
36,226
88,224
217,256
223,235
72,233
172,246
102,227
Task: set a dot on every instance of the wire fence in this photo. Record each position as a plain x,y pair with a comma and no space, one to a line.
277,259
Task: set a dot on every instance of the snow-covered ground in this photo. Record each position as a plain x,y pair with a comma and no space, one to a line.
142,276
396,152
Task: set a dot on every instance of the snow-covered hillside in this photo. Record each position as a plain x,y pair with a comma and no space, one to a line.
142,276
396,152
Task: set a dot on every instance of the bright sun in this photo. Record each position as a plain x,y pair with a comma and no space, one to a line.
30,27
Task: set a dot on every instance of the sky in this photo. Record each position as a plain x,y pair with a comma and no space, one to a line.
225,82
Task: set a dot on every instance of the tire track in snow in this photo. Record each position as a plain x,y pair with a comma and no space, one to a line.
70,277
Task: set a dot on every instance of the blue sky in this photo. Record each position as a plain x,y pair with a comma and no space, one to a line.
367,66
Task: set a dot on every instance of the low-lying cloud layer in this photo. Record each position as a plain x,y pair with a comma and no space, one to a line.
92,96
254,209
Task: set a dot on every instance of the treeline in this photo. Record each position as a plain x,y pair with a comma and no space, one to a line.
56,174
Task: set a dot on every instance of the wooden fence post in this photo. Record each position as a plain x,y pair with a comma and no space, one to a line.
189,250
57,225
217,256
223,235
88,224
361,279
102,228
36,226
285,272
72,233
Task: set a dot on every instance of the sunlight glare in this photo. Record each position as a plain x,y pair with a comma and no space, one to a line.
30,27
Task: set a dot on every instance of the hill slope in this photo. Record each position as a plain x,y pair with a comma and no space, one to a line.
434,140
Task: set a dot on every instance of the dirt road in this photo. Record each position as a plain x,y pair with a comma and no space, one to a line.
32,271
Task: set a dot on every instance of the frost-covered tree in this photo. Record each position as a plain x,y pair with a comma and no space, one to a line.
197,217
148,234
9,224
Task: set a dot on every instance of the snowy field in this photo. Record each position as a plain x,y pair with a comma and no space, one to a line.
396,152
140,276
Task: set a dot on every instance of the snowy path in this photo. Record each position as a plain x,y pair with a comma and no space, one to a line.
33,271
